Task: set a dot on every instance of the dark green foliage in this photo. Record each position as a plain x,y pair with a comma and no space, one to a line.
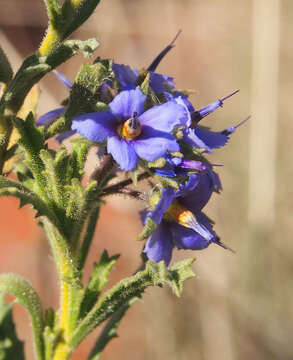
6,72
26,296
75,17
130,288
10,346
110,331
97,281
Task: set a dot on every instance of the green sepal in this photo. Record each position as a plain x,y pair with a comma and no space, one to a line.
158,163
10,346
6,72
97,281
26,296
149,227
75,15
145,86
110,330
70,48
168,182
155,274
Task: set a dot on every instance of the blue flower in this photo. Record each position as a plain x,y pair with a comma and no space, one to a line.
130,132
127,79
176,166
181,223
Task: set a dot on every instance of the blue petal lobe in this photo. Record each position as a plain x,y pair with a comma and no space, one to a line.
125,75
201,193
160,83
212,139
63,78
167,196
165,117
95,126
154,144
127,102
49,116
159,245
122,152
185,238
65,135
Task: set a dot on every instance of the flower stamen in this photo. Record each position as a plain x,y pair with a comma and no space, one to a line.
131,127
186,218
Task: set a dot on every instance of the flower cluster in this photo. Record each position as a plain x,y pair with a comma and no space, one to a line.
145,123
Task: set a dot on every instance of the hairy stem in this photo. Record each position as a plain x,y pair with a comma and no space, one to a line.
113,189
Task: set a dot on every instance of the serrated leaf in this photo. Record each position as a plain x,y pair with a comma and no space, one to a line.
25,198
26,295
130,288
97,281
110,331
6,72
10,346
178,273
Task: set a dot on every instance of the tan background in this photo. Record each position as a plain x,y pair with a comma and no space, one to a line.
239,306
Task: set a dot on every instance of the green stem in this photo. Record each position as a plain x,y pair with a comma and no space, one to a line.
88,238
69,284
113,189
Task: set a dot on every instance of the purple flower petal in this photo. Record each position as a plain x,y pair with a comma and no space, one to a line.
127,102
122,152
65,135
153,144
185,238
165,117
159,245
160,83
95,126
49,116
191,183
190,138
63,78
167,196
125,75
212,139
200,195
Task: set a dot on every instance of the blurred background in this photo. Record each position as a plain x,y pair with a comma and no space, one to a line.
240,305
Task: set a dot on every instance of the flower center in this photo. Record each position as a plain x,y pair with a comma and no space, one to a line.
181,215
131,127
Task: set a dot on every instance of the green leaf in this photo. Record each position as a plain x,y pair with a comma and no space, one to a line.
155,274
178,273
10,346
6,72
31,71
54,13
98,281
110,331
78,158
75,13
26,296
70,48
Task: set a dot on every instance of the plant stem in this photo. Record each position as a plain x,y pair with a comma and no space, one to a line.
113,189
